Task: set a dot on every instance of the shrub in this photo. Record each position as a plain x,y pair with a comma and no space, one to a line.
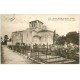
69,52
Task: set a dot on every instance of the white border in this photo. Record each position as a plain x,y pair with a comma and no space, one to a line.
40,72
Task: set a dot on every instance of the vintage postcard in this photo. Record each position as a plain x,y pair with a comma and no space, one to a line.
40,38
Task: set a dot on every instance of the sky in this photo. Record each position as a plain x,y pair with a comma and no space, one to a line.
62,23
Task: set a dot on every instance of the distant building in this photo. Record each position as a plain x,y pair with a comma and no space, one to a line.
36,33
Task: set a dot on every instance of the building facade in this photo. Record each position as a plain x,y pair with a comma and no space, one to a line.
36,33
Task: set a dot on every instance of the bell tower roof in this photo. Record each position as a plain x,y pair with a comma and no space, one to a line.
36,21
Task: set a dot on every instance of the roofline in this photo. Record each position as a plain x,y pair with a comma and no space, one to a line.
36,20
44,31
17,31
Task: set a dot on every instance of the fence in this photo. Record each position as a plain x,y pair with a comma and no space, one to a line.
48,53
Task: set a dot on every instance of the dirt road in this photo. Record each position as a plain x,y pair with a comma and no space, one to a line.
10,57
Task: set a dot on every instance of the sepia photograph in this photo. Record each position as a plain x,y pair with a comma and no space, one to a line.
40,38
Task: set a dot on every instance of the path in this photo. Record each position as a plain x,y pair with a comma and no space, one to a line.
10,57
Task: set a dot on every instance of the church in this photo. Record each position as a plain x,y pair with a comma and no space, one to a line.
36,33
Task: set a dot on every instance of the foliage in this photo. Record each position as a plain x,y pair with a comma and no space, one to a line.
5,39
72,37
61,40
69,52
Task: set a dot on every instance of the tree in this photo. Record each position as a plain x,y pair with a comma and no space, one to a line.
1,40
61,40
72,37
10,39
5,39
